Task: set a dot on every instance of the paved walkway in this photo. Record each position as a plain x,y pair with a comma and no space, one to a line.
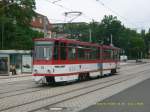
14,76
134,99
21,77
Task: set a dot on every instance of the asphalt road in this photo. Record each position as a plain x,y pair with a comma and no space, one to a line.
134,99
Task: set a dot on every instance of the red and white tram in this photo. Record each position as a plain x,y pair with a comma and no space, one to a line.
65,60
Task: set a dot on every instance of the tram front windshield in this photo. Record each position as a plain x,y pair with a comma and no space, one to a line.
43,50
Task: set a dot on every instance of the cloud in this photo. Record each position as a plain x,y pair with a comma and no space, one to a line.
132,13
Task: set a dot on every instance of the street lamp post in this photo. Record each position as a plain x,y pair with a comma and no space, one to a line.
90,35
111,40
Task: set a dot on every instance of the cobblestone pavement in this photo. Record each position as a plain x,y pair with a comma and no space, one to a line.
27,96
85,101
134,99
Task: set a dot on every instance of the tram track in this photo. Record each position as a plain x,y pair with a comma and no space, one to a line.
70,98
85,93
21,91
17,90
6,86
14,80
38,86
6,96
16,83
130,67
75,90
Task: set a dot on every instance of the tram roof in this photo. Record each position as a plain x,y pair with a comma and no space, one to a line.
73,41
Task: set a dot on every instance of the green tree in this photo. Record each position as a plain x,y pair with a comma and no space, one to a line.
111,27
137,47
15,18
79,31
18,11
20,38
96,31
147,42
127,39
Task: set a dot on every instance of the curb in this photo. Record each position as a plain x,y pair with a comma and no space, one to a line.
17,76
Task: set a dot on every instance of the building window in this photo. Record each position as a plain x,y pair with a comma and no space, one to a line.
40,19
33,19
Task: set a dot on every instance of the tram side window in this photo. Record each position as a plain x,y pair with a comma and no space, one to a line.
112,56
91,55
56,51
94,53
87,54
107,54
97,53
63,52
116,54
71,53
81,54
100,53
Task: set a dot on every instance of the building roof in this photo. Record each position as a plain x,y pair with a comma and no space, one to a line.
38,22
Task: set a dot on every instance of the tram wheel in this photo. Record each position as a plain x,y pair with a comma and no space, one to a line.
113,71
83,76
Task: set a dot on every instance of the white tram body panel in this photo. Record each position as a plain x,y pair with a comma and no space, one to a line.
107,67
70,72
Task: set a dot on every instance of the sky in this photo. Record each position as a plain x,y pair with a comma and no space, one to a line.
134,14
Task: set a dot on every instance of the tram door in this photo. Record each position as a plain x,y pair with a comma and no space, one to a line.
4,65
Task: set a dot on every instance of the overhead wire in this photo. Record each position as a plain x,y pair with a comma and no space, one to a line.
116,13
90,18
56,1
61,6
69,9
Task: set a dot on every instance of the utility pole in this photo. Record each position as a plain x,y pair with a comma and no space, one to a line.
111,40
90,35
